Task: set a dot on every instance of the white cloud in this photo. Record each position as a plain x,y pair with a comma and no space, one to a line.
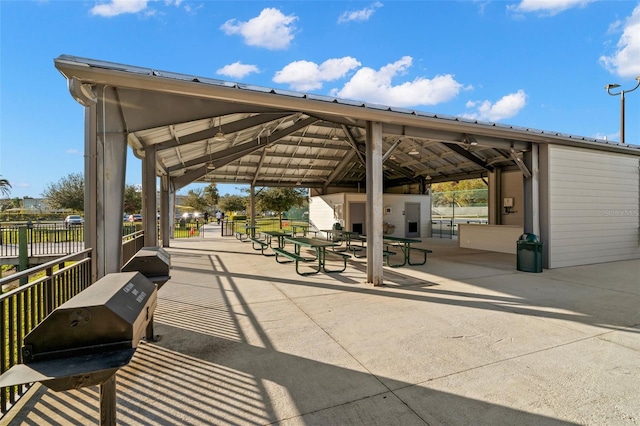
306,75
507,107
118,7
237,70
625,62
547,7
377,86
271,29
73,151
359,15
110,8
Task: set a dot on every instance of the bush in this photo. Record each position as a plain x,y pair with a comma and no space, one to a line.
33,217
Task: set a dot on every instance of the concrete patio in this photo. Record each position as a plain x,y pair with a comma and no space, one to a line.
463,340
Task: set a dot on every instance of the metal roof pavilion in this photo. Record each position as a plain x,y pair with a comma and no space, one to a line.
192,129
208,130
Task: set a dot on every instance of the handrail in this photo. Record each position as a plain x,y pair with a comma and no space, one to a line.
24,307
36,269
131,244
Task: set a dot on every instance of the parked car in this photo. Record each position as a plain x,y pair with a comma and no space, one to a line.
73,220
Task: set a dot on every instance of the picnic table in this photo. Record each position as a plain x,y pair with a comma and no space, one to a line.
317,245
340,235
405,246
249,232
279,235
304,228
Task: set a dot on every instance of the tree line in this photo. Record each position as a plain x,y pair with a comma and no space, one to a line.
68,193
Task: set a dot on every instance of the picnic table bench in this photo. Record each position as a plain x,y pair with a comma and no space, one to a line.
259,244
405,244
294,257
246,234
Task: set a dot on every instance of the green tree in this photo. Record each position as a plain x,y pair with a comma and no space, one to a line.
232,203
463,193
5,187
132,199
195,199
67,193
280,200
211,195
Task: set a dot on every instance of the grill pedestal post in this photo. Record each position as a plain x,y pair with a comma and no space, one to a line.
149,336
108,402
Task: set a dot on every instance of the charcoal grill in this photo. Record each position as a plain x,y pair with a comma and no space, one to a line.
154,263
88,338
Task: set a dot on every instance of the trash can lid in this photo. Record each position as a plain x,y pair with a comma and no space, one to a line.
530,238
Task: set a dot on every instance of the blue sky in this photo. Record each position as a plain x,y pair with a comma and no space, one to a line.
540,64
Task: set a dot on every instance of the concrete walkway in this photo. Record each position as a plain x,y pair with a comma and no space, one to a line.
463,340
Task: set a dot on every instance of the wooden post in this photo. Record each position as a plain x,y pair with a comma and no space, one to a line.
108,402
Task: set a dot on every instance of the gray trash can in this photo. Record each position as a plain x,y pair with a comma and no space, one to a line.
529,253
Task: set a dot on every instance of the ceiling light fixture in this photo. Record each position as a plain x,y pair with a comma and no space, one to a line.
219,137
335,134
210,165
470,140
413,152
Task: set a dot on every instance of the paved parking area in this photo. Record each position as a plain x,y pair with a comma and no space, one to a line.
463,340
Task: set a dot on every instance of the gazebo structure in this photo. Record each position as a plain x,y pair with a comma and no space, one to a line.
191,129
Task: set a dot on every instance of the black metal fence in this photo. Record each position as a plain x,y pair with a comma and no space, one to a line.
229,228
187,229
23,308
40,239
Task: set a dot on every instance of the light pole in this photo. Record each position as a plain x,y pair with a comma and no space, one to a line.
621,93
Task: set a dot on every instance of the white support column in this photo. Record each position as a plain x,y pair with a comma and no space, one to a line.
374,203
105,165
149,203
495,197
535,189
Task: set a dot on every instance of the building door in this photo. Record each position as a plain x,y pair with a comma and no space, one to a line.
357,216
412,220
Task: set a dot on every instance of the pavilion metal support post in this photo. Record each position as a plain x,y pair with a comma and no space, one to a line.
495,197
149,201
166,212
172,207
374,203
252,206
105,165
